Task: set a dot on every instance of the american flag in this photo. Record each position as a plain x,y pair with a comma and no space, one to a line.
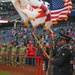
60,10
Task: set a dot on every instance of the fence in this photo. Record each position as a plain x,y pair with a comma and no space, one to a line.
39,60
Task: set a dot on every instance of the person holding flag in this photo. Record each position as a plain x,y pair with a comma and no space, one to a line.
63,55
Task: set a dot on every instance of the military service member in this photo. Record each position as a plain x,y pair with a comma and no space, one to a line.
3,49
62,60
14,55
8,53
22,52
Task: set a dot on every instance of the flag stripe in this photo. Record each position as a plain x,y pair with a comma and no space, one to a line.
61,14
60,11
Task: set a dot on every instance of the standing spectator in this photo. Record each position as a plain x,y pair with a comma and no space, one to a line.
31,53
74,67
0,44
72,56
27,48
45,57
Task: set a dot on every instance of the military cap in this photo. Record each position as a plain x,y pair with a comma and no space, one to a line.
4,44
7,44
64,37
14,43
22,43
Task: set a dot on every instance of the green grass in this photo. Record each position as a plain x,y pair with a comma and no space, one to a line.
2,73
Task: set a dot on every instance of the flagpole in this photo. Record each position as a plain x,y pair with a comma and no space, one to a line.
50,65
43,48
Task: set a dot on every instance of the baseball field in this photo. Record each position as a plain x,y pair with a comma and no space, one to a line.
2,73
27,70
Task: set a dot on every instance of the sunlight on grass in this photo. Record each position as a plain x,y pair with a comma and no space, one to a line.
2,73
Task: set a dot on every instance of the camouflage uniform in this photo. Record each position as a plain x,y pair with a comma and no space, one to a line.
8,52
0,54
22,52
14,53
3,49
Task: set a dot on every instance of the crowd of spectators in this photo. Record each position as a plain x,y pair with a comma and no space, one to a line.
24,34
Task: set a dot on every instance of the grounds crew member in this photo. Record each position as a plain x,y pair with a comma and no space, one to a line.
62,59
22,52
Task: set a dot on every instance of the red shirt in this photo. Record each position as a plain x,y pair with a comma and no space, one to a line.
50,35
31,50
0,44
